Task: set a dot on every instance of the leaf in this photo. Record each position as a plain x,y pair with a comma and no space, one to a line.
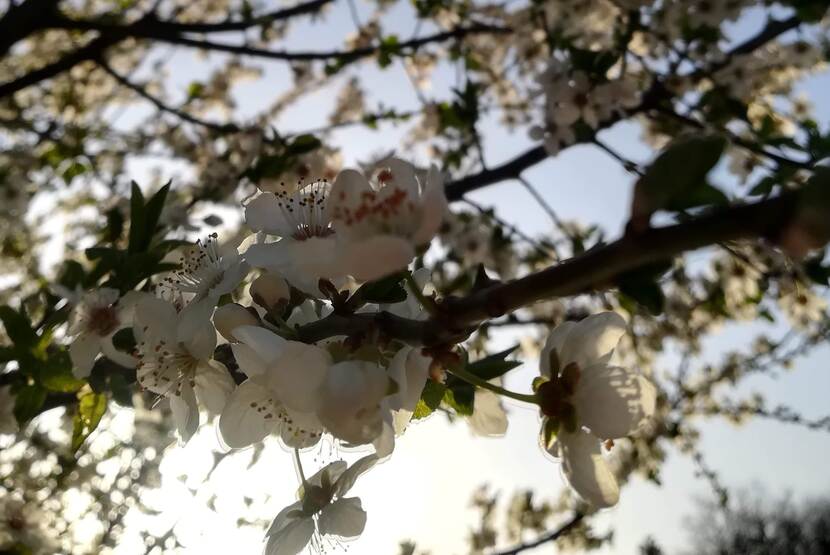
816,271
18,328
495,365
55,374
387,290
641,285
28,401
124,340
137,218
152,213
303,144
461,398
678,175
704,195
430,399
91,407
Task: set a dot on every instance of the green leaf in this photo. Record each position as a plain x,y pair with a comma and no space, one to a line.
461,398
641,285
303,144
152,213
137,217
495,365
386,290
430,399
27,402
18,328
704,195
91,407
678,175
55,374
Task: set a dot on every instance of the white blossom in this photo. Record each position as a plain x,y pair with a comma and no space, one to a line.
306,249
209,271
92,324
282,393
322,510
175,352
585,401
379,225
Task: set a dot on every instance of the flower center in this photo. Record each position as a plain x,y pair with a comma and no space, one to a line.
305,210
201,267
103,320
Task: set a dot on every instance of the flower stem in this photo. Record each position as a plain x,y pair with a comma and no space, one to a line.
471,378
300,467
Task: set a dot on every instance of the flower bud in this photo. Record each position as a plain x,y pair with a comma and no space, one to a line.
230,316
268,290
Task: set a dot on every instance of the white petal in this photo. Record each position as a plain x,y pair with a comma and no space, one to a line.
344,518
158,316
348,187
249,361
348,478
195,330
185,412
488,418
301,430
334,470
291,539
612,401
433,208
593,339
242,422
284,518
213,385
586,471
265,343
555,341
298,373
403,176
376,256
263,213
83,351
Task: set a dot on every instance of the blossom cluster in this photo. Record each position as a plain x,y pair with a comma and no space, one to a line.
312,244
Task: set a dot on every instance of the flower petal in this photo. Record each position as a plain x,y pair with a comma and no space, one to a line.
85,347
291,539
376,256
298,374
555,341
348,478
433,207
593,339
613,402
248,359
344,518
263,213
155,316
266,344
185,412
243,422
195,330
284,518
213,385
489,418
586,471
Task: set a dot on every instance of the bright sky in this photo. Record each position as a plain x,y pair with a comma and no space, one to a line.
423,492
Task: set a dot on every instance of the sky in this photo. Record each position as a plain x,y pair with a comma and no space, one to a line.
423,493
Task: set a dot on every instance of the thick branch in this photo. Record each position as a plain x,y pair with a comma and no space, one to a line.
597,269
93,50
21,20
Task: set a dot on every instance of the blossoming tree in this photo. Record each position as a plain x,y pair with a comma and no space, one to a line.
338,305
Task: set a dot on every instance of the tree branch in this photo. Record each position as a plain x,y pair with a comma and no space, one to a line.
553,535
596,270
181,114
